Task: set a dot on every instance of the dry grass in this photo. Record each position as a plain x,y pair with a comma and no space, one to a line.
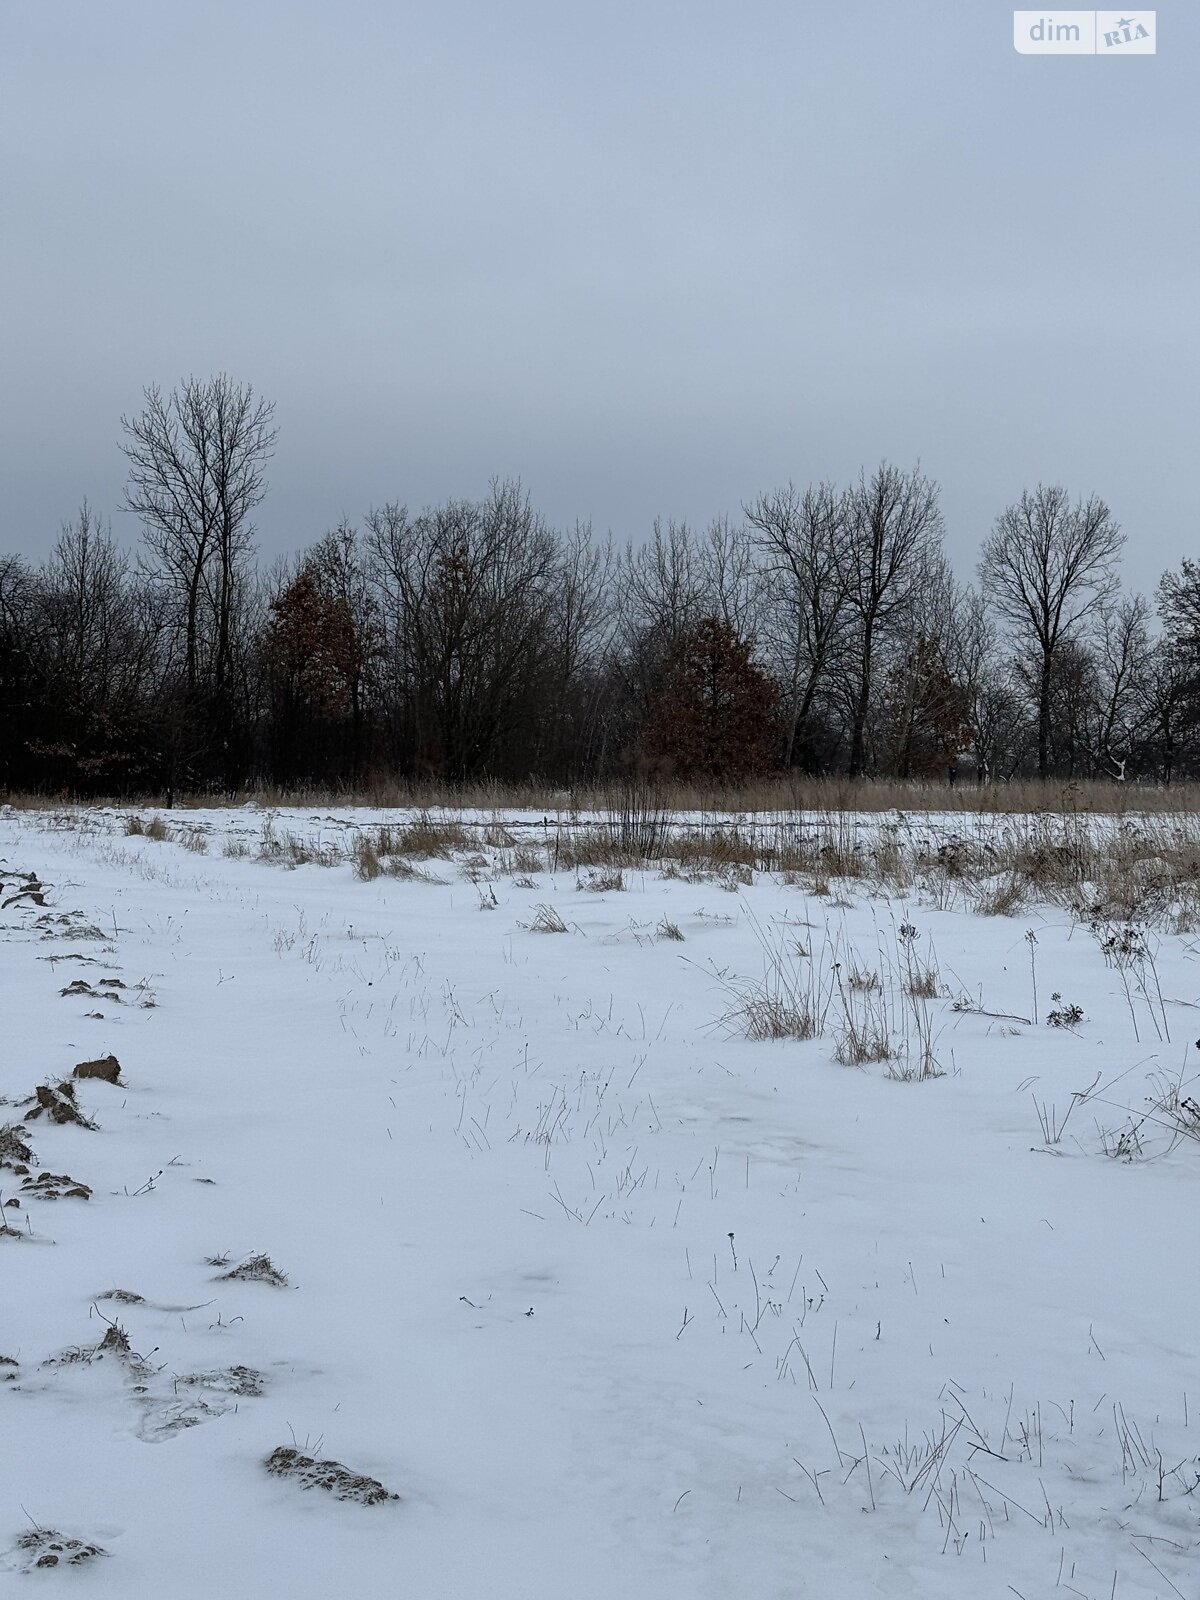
1178,1103
1121,853
885,1016
586,846
547,920
863,981
791,1000
603,880
294,850
1002,895
864,1032
776,1014
367,863
426,836
382,853
791,793
526,860
923,983
861,1042
916,1069
156,828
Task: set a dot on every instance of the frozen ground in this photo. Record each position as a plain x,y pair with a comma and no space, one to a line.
617,1301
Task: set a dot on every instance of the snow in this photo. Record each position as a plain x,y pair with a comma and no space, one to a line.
616,1300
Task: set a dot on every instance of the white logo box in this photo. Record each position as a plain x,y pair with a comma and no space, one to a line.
1085,33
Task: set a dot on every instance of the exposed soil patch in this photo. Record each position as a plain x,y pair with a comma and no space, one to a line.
57,1102
32,890
115,1343
332,1476
257,1269
68,926
106,1068
75,1355
15,1149
45,1547
244,1382
55,1186
80,988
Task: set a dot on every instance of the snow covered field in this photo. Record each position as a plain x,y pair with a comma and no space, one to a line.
615,1299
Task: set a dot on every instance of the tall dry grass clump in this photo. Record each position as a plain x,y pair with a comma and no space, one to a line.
791,999
156,828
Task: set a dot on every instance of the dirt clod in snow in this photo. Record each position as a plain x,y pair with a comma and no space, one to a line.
55,1186
107,1068
32,892
79,987
44,1547
57,1102
332,1476
257,1269
15,1149
115,1341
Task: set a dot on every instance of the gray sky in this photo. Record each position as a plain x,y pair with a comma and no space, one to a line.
650,257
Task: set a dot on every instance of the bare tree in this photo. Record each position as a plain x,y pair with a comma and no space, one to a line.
89,609
339,563
1046,567
21,666
971,651
467,595
730,579
663,587
582,623
1121,651
894,525
799,538
1172,696
197,469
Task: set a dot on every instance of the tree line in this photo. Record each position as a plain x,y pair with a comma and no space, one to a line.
823,630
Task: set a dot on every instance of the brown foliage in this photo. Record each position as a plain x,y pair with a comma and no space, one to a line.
716,715
310,646
927,717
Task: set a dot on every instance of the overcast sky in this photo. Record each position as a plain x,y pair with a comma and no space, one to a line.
648,257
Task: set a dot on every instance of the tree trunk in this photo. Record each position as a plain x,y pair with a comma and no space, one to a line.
858,741
1044,716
